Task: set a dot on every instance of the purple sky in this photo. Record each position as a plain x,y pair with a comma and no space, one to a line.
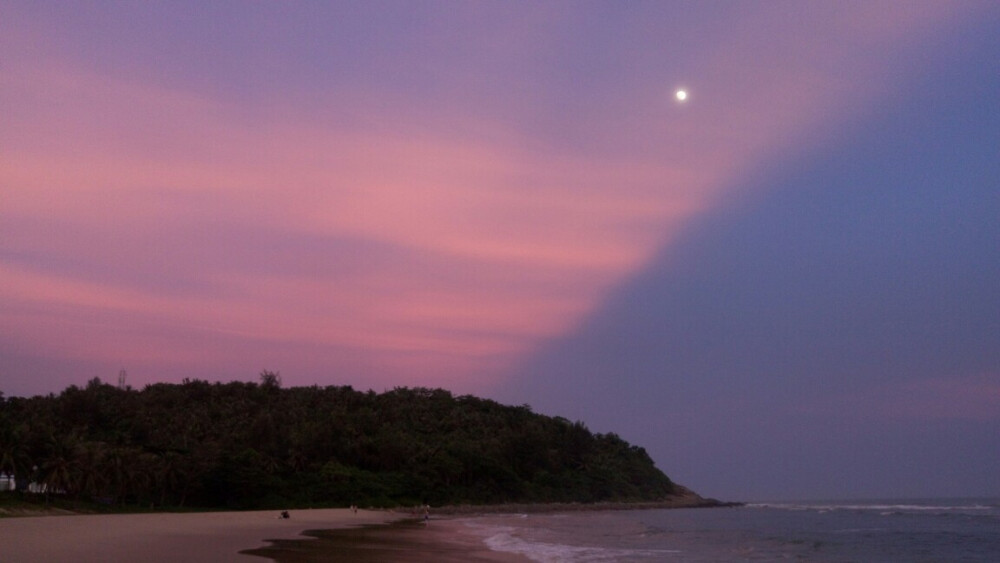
786,286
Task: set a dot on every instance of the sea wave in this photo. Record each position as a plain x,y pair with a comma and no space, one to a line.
882,508
822,531
542,552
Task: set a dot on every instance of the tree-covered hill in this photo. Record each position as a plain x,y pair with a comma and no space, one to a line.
258,445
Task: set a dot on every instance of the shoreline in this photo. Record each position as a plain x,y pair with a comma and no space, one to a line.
409,540
550,508
308,535
684,498
443,538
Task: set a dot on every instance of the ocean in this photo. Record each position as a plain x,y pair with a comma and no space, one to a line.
871,531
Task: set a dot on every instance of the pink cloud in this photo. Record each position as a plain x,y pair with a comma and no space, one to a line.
475,236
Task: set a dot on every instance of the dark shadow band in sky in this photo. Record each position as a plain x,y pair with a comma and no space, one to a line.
833,334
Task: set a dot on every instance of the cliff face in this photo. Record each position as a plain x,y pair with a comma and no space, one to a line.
684,497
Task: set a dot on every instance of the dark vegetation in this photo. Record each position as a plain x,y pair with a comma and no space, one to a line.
257,445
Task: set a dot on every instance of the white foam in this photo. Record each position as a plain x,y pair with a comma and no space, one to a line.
543,552
881,508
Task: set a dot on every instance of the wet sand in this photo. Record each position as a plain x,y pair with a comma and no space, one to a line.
164,537
404,541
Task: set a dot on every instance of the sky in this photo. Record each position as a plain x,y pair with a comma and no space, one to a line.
786,286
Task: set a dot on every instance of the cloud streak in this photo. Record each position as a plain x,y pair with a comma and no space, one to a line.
433,196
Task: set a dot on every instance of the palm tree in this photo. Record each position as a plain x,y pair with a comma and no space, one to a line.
14,458
59,467
170,477
121,470
89,460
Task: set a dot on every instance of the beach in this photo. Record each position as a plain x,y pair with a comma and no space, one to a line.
307,535
165,537
410,540
883,530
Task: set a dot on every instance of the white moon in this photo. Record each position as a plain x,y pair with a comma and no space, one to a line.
681,95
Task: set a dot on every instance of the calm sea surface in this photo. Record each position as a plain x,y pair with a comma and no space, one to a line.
869,531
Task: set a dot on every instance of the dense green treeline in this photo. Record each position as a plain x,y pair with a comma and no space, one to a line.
258,445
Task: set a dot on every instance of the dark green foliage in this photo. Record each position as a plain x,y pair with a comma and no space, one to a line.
250,445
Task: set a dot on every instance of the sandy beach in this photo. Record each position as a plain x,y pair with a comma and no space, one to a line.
308,535
168,537
410,540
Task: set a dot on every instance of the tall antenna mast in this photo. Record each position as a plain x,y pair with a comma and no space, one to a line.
121,379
